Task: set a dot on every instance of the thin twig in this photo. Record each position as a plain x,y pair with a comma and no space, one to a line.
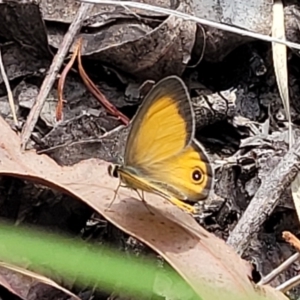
202,51
268,278
53,71
61,82
100,139
188,17
66,144
9,92
289,284
265,199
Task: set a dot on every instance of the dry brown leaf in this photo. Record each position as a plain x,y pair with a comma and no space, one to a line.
198,256
4,283
281,72
280,61
12,278
291,239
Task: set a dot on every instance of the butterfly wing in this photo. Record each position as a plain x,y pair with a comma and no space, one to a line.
161,155
162,128
188,176
137,182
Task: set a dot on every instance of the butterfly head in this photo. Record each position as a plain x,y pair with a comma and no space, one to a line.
113,170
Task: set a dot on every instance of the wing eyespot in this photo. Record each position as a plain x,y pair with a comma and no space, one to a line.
197,176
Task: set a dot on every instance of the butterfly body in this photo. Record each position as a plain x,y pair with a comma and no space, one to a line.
161,154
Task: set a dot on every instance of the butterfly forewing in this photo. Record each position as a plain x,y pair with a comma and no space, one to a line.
163,126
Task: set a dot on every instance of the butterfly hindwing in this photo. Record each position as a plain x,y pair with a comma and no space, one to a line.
188,176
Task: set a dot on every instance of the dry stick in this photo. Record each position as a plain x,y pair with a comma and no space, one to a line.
265,199
9,92
53,71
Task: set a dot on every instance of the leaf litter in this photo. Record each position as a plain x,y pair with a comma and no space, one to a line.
172,233
78,137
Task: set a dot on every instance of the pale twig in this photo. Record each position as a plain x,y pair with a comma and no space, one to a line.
268,278
53,71
203,49
289,284
188,17
9,92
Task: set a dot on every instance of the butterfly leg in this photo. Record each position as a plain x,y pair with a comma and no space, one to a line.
115,195
144,201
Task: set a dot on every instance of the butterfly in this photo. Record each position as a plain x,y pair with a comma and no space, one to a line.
162,155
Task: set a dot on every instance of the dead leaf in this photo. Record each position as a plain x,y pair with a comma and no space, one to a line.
295,186
19,281
281,72
280,61
23,23
145,51
8,286
198,256
291,239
